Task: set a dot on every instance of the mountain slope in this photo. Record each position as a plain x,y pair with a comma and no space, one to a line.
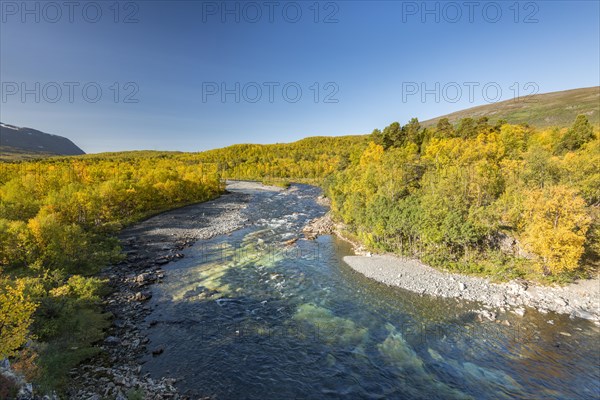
18,142
541,110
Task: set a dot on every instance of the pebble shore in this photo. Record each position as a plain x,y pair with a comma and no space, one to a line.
580,299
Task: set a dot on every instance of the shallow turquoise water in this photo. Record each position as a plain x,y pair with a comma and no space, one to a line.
245,317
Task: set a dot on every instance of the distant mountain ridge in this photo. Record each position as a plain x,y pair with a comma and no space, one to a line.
27,143
540,110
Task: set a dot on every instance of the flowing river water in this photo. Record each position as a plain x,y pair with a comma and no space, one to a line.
244,316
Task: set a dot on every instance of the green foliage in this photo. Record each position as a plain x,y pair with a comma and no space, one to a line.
282,183
8,388
579,134
69,321
135,394
466,128
75,330
395,135
444,129
446,198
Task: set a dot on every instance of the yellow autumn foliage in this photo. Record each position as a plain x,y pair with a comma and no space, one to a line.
15,316
555,227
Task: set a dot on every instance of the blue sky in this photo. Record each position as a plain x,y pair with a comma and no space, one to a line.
359,65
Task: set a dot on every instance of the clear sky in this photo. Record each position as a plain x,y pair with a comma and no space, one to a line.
192,75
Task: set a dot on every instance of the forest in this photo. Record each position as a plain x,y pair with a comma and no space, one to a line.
58,223
477,197
502,200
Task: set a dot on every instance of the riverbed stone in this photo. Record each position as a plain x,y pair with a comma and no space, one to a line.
142,296
112,341
519,311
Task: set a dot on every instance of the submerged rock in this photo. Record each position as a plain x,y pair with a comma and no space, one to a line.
330,328
158,351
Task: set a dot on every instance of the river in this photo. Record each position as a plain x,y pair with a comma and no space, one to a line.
245,316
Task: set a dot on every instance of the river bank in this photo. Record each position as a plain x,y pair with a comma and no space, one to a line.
148,245
578,299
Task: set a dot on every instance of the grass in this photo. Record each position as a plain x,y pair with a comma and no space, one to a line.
135,394
73,342
543,110
67,325
12,154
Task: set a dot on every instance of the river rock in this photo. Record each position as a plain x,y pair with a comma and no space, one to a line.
519,311
145,278
290,242
319,226
142,296
488,314
112,341
560,301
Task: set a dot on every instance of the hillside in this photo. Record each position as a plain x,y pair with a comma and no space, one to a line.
23,143
542,110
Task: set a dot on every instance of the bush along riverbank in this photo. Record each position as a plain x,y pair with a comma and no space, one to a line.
579,299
